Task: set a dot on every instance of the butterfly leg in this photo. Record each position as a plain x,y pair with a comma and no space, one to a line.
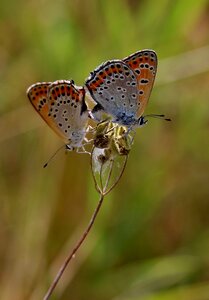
89,129
87,141
82,150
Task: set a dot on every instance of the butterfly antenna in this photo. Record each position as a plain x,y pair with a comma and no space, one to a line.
46,164
163,117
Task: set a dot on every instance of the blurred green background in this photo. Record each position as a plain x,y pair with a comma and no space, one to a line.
151,238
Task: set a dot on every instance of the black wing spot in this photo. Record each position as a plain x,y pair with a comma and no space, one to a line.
144,81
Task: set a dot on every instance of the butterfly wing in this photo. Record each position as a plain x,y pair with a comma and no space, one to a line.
113,86
62,107
38,96
144,65
68,110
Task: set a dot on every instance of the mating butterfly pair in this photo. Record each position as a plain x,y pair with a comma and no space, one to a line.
120,88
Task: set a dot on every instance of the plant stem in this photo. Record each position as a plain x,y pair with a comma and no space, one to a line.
73,252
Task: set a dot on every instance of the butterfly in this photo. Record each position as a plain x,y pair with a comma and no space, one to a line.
62,106
121,88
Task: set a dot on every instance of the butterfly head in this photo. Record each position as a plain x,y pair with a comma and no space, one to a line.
69,148
141,121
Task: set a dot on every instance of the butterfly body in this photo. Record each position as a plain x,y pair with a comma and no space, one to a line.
121,88
62,106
